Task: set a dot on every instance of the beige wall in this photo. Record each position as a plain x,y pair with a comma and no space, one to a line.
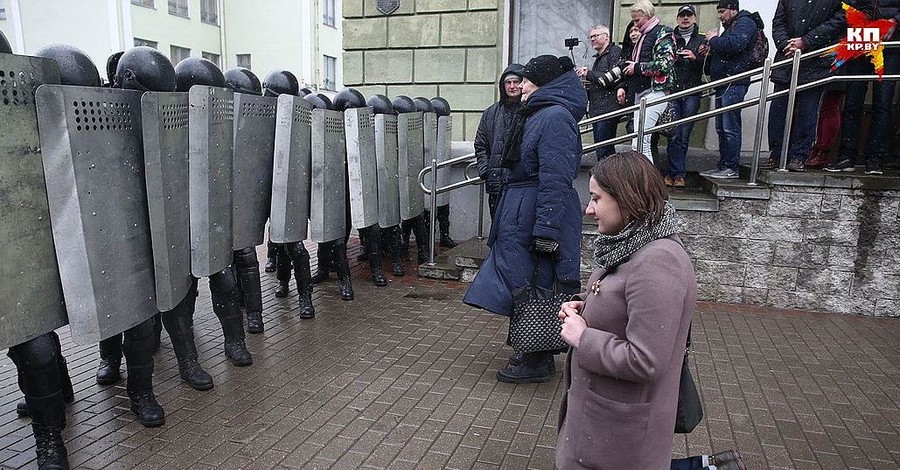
156,24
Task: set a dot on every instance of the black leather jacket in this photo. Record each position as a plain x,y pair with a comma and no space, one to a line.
688,73
603,99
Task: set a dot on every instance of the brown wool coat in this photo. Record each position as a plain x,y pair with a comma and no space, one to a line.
618,411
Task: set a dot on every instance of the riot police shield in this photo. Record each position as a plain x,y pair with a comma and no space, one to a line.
166,168
359,129
254,147
211,134
387,171
93,158
31,296
289,218
327,213
410,155
443,151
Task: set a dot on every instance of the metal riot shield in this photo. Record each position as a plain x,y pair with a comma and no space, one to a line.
429,142
210,126
254,147
94,168
289,218
31,296
359,129
328,201
444,151
166,168
410,151
386,164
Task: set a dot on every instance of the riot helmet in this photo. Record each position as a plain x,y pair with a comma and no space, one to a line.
403,104
111,63
146,69
441,106
280,82
242,80
305,91
380,104
75,67
197,71
5,46
316,100
423,105
349,98
326,100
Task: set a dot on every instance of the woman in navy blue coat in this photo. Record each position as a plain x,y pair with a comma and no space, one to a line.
538,219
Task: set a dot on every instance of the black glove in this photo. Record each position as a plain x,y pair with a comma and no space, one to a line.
494,181
545,246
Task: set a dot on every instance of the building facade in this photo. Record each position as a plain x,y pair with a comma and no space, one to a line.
303,37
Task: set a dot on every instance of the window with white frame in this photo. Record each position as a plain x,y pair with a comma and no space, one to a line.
209,11
144,3
328,9
145,42
178,8
177,54
243,60
329,73
214,58
2,13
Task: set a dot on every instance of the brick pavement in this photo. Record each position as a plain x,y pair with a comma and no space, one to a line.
403,377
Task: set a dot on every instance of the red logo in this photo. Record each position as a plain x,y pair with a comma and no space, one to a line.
863,38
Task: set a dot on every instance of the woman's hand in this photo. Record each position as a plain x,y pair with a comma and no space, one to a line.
629,69
573,323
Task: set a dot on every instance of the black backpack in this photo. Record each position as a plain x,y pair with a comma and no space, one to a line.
759,50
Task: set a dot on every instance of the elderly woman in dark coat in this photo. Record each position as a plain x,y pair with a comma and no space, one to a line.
538,219
627,331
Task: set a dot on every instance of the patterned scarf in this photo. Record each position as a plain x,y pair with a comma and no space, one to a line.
648,26
612,250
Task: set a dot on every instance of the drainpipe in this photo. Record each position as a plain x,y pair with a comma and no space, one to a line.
222,50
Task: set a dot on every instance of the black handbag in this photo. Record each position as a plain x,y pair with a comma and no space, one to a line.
690,408
534,325
667,116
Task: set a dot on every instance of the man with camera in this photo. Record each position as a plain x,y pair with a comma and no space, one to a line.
491,132
688,74
601,82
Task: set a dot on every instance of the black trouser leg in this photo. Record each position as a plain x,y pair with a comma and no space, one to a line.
339,253
225,299
110,360
283,271
300,259
443,216
364,252
372,248
138,349
392,236
247,266
325,259
422,239
179,326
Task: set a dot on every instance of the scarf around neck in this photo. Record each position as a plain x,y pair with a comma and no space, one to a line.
636,53
613,250
513,142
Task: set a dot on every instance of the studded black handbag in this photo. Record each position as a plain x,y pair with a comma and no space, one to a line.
534,325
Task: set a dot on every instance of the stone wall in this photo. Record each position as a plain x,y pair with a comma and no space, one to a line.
816,248
447,48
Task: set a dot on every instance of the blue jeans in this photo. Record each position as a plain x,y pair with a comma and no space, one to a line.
690,463
882,96
803,127
605,130
678,144
728,126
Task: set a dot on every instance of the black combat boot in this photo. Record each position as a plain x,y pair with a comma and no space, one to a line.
443,216
339,252
48,444
300,259
324,255
271,250
394,245
247,266
364,251
224,293
534,368
110,360
372,247
178,325
422,240
139,362
283,273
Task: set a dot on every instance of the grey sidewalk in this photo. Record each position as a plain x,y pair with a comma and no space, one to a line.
403,377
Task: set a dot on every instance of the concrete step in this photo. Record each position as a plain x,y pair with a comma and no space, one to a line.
693,199
738,188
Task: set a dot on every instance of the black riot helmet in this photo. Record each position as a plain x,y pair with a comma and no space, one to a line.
380,104
242,80
441,106
423,105
5,47
280,82
349,98
111,64
197,71
326,100
304,91
75,67
146,69
403,104
316,100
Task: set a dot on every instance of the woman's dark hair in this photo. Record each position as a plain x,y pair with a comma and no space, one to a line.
635,184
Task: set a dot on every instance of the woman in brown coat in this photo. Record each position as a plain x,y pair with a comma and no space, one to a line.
627,332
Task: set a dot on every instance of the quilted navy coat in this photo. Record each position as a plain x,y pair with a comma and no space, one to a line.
539,200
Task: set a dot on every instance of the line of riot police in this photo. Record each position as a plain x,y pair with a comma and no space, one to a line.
124,196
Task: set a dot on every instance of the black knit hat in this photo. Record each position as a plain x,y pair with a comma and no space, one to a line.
543,69
728,5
